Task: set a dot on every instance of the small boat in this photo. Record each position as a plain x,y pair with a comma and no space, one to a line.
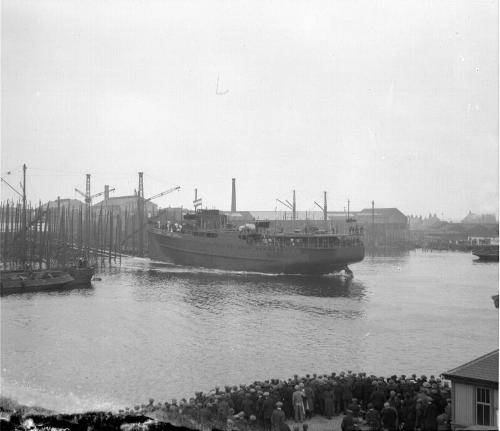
81,271
82,275
33,281
486,253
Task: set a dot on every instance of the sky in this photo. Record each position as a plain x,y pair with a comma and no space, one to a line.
388,100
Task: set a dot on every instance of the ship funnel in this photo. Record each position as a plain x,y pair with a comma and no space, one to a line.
233,197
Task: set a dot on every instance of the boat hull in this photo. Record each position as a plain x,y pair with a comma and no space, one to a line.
487,253
228,253
19,282
82,276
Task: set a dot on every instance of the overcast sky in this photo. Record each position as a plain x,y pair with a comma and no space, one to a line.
395,101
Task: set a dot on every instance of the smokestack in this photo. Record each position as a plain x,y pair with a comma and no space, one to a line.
106,192
294,208
325,207
233,197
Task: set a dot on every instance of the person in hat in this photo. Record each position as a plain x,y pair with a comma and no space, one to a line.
328,396
347,421
354,407
298,405
267,410
389,417
373,418
308,401
378,398
277,417
346,393
248,406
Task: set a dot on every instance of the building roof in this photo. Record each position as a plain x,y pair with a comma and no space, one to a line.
64,202
123,200
484,368
382,211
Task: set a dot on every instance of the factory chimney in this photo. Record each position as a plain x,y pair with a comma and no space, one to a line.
106,192
233,197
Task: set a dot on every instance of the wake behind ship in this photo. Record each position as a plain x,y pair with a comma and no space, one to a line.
207,240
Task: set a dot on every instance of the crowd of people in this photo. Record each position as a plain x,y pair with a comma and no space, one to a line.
366,402
359,402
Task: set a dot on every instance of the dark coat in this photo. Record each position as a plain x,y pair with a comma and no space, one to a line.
277,418
378,400
248,407
373,419
267,408
347,423
389,418
430,422
329,404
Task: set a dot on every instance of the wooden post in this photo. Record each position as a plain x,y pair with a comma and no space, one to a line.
110,236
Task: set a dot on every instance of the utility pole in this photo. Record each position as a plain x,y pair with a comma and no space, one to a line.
24,217
373,223
140,211
294,207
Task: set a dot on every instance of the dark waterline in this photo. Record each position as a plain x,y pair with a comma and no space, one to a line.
154,330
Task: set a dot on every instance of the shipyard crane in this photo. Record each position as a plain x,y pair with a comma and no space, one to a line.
323,208
140,211
166,192
88,199
291,206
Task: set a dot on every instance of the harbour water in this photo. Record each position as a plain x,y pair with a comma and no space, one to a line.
153,330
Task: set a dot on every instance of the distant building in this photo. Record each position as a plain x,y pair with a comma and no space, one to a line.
384,227
387,216
419,223
64,203
472,218
127,203
474,393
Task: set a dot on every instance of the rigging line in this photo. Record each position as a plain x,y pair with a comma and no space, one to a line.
11,187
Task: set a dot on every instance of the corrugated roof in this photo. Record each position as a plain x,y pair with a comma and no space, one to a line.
482,368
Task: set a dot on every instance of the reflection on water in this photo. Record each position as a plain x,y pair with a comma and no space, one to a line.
386,252
322,286
151,329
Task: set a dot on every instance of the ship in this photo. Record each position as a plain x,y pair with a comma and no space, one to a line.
205,239
487,252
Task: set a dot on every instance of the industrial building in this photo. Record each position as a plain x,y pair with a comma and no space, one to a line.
127,203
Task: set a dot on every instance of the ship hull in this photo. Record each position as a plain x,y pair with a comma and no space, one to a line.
228,253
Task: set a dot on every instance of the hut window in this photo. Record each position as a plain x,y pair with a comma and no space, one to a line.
483,406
